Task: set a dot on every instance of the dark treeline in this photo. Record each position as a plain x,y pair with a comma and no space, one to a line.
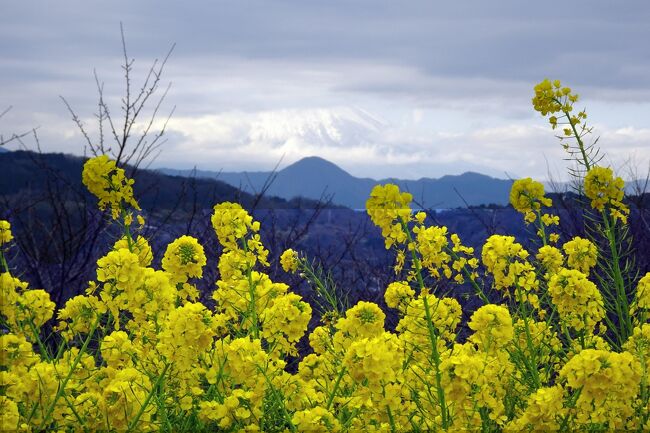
60,233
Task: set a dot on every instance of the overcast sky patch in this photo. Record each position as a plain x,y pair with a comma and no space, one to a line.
382,88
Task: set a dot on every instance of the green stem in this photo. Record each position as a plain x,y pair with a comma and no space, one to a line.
41,346
581,145
321,288
155,387
542,227
330,400
127,229
621,297
279,400
5,266
468,276
62,385
432,333
252,311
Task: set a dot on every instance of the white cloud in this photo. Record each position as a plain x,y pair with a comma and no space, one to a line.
257,84
367,146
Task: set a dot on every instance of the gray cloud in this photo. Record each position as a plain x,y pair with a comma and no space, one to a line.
468,66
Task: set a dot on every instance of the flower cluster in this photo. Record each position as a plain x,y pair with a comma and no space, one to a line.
578,300
605,380
139,352
527,197
581,254
289,260
507,261
5,232
606,191
109,184
388,209
551,98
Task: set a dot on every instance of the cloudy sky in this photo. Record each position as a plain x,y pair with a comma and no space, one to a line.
380,87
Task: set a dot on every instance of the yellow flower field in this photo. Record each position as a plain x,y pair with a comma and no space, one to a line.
565,346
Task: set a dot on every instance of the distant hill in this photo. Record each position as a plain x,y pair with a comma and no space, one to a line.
31,173
313,177
3,150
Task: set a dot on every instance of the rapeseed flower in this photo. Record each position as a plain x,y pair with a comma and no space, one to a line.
284,322
317,420
9,415
527,197
289,260
604,190
232,223
551,259
581,254
139,246
184,258
544,412
5,232
78,315
398,295
492,326
643,292
364,320
35,306
388,209
608,383
506,260
109,184
578,300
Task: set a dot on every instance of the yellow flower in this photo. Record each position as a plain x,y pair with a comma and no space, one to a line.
124,396
139,246
36,307
120,268
184,258
432,244
5,232
375,361
581,254
604,190
551,258
9,415
551,97
444,313
289,260
109,184
285,322
527,195
544,411
506,260
16,352
643,292
365,319
116,349
578,300
388,208
608,383
78,315
317,420
638,343
492,326
231,223
188,332
398,294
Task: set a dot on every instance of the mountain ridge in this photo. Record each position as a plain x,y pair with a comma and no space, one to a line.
316,178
